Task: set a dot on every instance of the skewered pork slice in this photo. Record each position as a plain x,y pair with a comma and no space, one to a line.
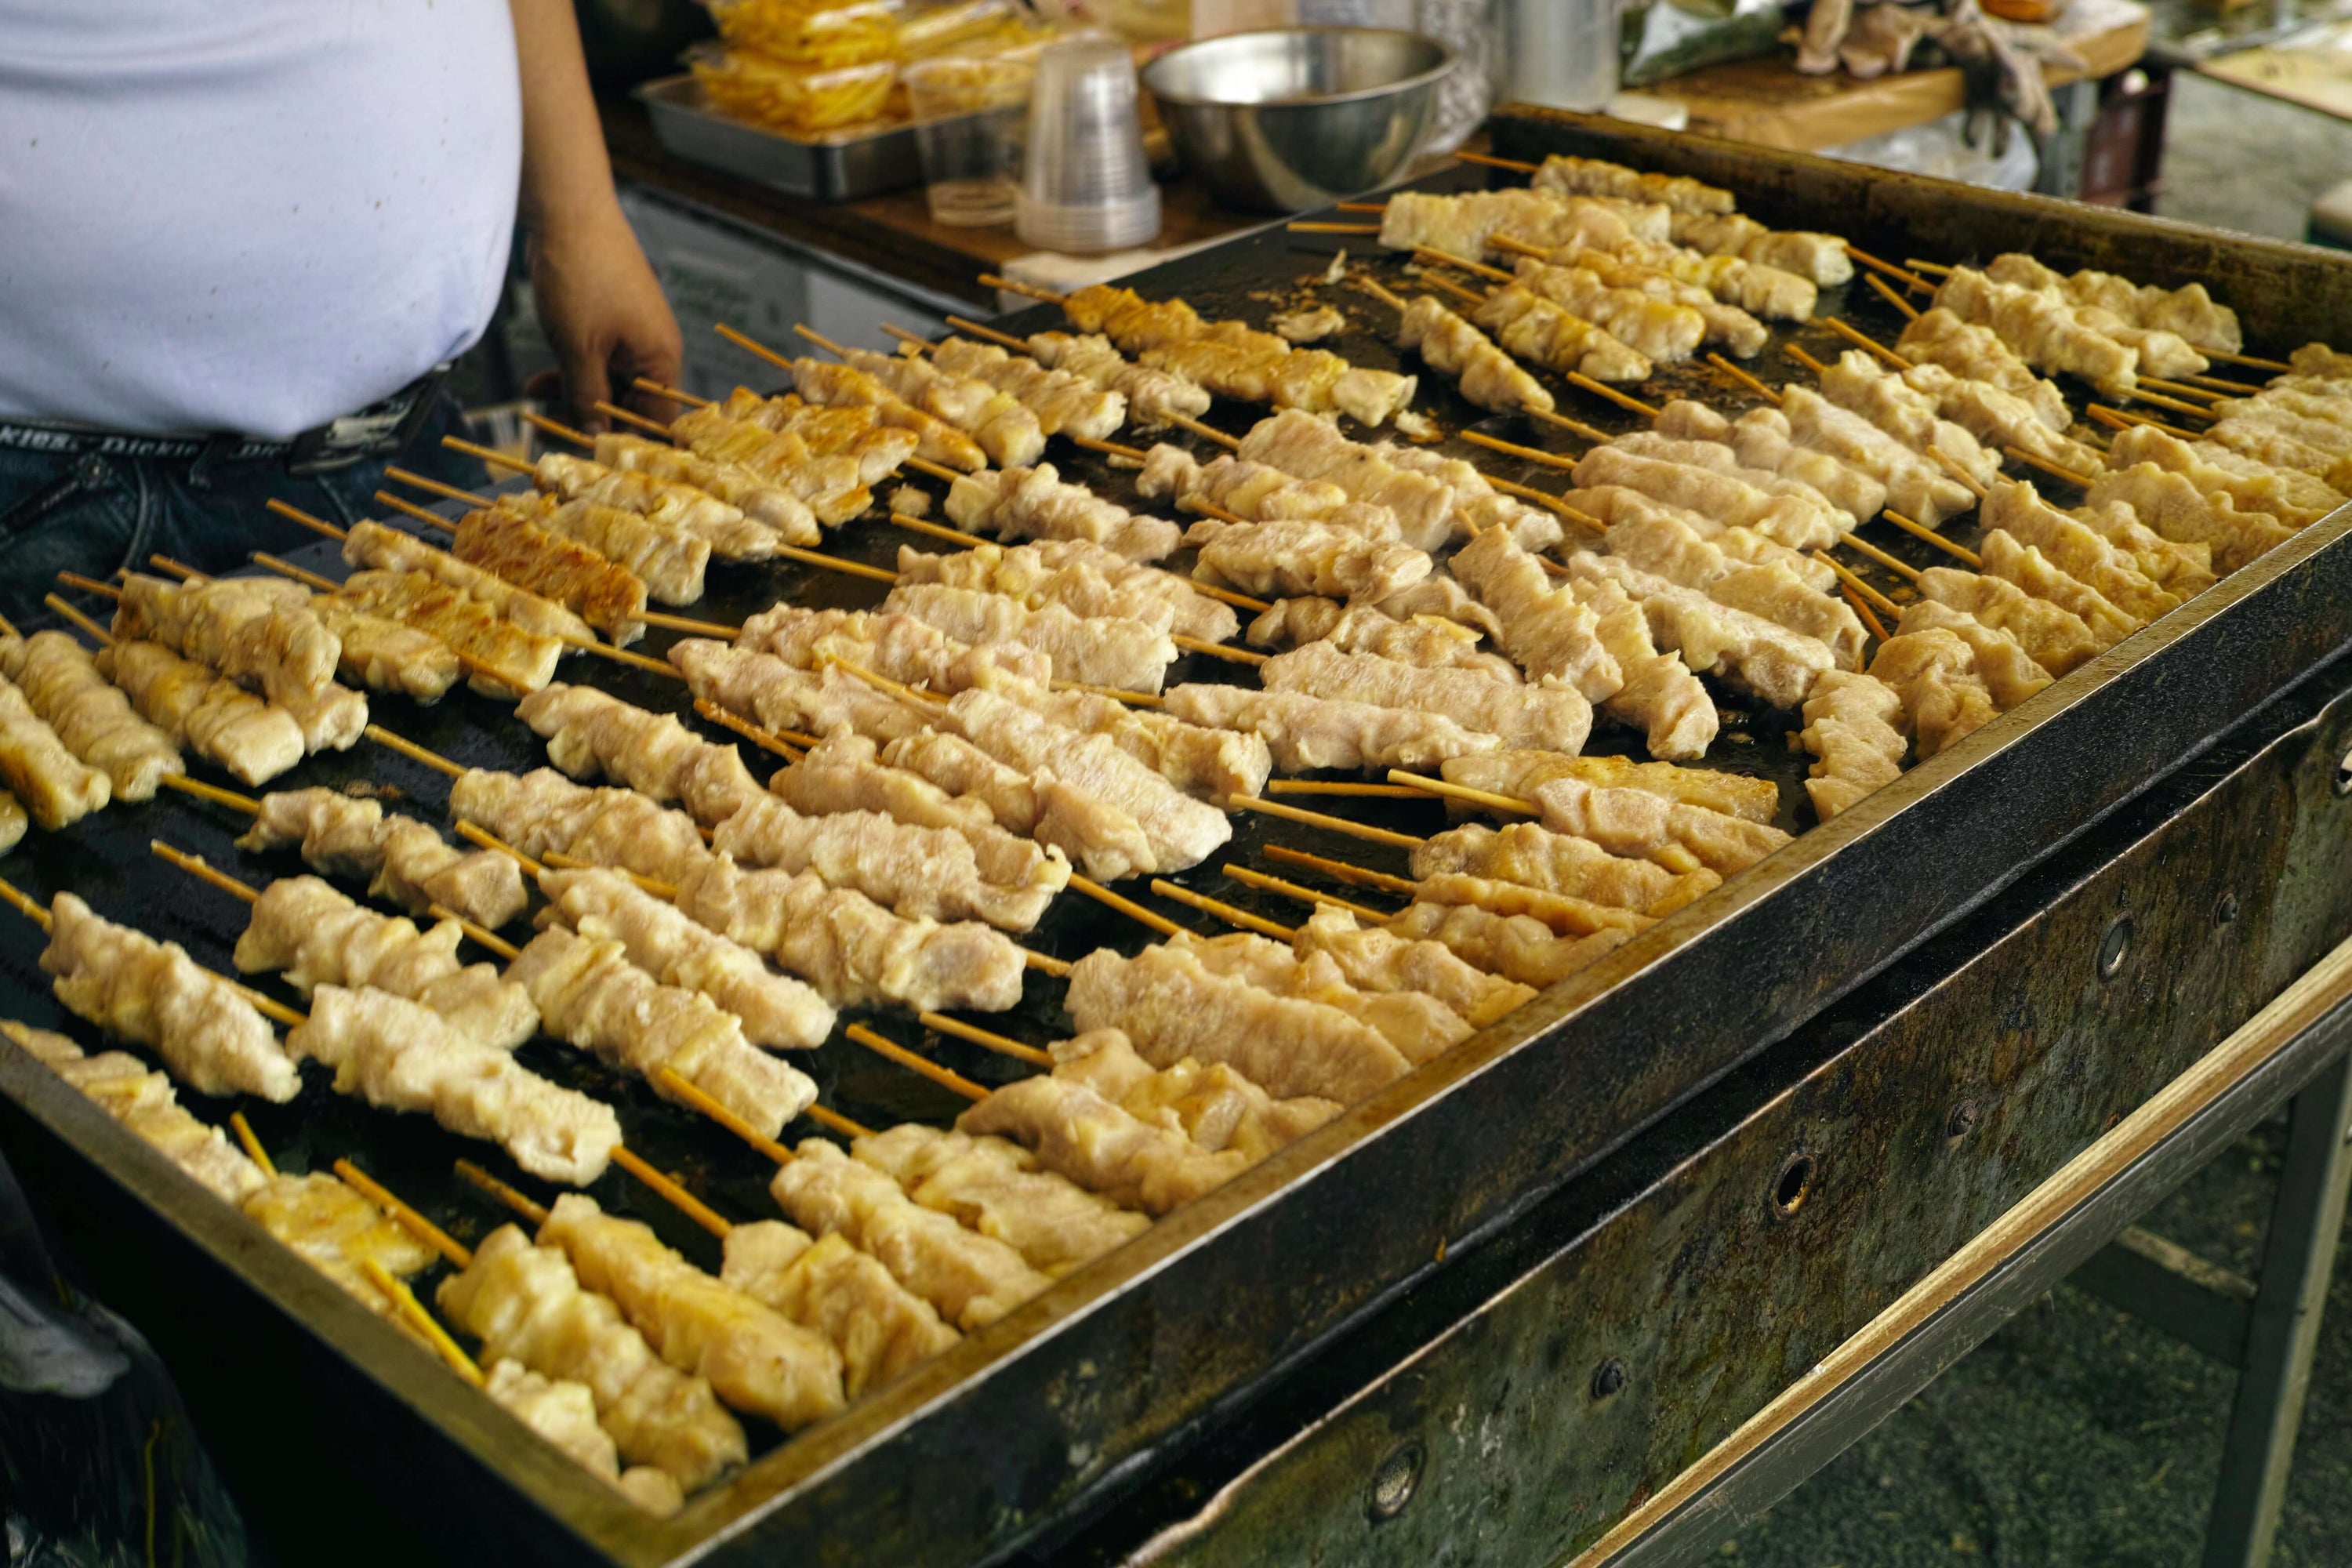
1452,347
1573,176
1517,947
853,951
2013,560
2077,549
996,1187
1095,650
1820,258
731,535
1651,326
1934,673
506,658
1151,394
762,501
1851,728
1420,1027
1769,660
919,873
399,1056
525,1304
845,772
1533,856
373,546
1283,559
215,718
564,1413
541,811
2043,330
90,714
1671,550
780,696
1546,718
1533,328
145,1102
1170,1005
1081,577
776,1011
1521,773
1062,403
671,560
56,786
1979,353
2189,311
594,998
1304,732
1545,630
250,629
1037,503
1425,640
972,1279
1008,431
1798,519
2055,637
153,994
1211,1104
1101,1145
2008,672
607,595
841,385
880,1327
591,733
310,930
1661,697
756,1359
409,862
2173,506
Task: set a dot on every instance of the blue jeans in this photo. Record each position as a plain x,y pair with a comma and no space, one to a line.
99,515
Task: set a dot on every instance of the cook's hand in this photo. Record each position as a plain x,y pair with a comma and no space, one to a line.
603,312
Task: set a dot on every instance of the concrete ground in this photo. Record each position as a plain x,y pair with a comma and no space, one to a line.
2078,1434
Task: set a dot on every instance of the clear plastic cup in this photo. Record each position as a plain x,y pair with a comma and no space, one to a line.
1086,183
970,119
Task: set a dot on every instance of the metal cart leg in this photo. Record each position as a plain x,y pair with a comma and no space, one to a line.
2297,1258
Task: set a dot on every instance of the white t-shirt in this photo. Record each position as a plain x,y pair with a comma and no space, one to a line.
249,216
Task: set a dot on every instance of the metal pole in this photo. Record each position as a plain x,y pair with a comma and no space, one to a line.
2297,1258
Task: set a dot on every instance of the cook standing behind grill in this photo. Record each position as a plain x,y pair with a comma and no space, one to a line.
243,240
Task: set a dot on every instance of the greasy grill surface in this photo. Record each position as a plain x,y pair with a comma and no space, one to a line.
1289,1251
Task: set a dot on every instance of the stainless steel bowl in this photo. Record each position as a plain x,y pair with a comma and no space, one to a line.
1292,118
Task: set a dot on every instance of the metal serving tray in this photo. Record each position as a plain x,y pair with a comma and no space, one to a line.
1023,1430
836,168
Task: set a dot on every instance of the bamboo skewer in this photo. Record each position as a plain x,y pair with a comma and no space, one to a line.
1512,448
213,792
84,624
1863,341
2019,455
1433,257
286,569
1742,377
673,1083
643,384
668,1188
1216,649
939,471
522,1203
1577,427
1206,432
1549,502
413,752
751,345
409,509
252,1143
2179,406
1863,611
1447,285
408,1219
1358,876
2120,419
1967,481
2180,389
1932,269
689,625
1910,280
1494,163
1388,297
16,898
1856,586
1231,914
1927,535
1031,289
1003,1045
1900,568
436,487
2278,367
412,1311
1333,227
611,410
1263,883
1910,311
296,514
988,335
1319,819
935,530
1802,358
1126,906
1602,389
946,1077
1340,787
490,457
787,744
820,341
1134,454
546,427
1486,797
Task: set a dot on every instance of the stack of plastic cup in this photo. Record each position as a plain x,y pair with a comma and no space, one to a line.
1087,186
